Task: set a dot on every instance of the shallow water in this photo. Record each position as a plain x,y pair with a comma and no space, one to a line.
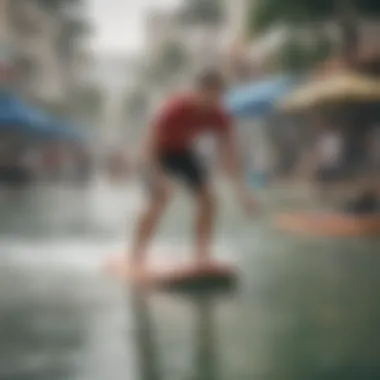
307,308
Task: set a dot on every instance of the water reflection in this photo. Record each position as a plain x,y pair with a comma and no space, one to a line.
41,331
307,308
204,347
144,337
205,354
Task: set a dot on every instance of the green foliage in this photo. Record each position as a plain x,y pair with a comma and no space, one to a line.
294,56
86,103
265,14
173,56
313,14
77,27
203,11
169,62
58,5
135,105
369,8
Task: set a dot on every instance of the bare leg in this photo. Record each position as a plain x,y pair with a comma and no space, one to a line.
206,204
146,226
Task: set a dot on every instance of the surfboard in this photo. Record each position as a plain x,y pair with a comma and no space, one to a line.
176,276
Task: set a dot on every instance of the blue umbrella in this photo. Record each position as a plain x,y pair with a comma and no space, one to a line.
53,128
18,116
13,115
258,99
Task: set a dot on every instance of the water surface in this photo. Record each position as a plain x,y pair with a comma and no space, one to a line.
307,308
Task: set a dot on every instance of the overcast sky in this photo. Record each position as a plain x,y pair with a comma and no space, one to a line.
119,24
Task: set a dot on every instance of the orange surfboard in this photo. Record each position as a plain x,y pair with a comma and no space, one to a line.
184,276
329,224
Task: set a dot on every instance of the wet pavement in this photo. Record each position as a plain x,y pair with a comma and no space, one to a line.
306,308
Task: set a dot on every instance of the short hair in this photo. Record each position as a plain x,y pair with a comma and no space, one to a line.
210,78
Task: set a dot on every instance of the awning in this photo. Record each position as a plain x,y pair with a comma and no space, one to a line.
259,99
15,115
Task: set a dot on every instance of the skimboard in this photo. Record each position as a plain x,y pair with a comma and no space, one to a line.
176,277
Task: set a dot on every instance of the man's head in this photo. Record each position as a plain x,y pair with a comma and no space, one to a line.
210,86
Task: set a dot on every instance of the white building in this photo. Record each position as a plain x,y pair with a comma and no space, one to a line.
33,35
236,14
115,75
200,43
160,27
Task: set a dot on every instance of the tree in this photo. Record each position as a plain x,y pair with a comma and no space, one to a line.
296,56
59,5
70,33
135,105
85,103
73,23
314,14
203,11
169,62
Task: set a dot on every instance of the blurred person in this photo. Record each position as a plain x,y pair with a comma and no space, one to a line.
329,157
330,149
169,154
366,201
260,167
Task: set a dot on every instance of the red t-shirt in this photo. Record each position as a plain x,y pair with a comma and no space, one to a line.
181,121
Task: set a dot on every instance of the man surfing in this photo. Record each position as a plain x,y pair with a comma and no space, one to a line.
169,153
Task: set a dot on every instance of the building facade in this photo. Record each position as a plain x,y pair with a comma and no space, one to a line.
46,59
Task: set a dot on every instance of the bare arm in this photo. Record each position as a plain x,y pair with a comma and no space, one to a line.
233,166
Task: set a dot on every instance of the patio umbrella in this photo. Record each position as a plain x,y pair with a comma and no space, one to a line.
15,115
259,99
343,87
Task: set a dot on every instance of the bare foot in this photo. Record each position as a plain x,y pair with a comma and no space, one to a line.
135,270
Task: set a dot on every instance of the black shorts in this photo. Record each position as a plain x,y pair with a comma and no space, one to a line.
184,166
